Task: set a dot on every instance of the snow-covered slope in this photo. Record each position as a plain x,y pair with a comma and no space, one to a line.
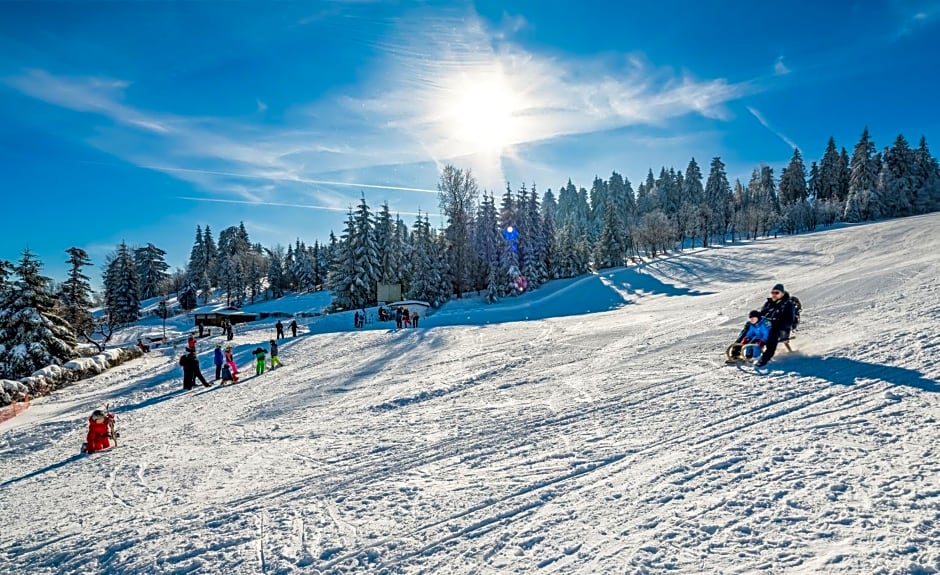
610,439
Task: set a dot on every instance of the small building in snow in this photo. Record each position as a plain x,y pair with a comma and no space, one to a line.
218,314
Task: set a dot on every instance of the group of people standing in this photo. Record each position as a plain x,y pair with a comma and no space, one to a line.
226,370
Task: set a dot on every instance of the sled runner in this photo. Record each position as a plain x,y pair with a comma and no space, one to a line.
750,352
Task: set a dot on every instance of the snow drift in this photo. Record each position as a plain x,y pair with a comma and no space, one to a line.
612,440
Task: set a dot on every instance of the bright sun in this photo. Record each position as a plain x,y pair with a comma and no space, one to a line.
481,114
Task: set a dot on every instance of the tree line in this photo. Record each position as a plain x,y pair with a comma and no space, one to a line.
496,246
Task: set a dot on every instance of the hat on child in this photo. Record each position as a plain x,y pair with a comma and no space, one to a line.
754,313
778,287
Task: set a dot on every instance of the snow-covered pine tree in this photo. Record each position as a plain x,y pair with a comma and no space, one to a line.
487,241
75,292
365,255
424,277
548,215
6,271
829,173
610,250
693,197
32,336
211,256
534,258
864,177
276,283
152,270
598,202
233,250
899,183
121,286
457,195
198,267
928,185
342,275
718,200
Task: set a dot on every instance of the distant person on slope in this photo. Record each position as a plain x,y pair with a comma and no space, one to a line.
280,329
219,359
293,327
191,372
259,354
780,311
274,359
230,362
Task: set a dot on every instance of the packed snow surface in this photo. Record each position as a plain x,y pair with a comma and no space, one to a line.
589,426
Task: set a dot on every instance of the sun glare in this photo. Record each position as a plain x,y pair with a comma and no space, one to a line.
480,114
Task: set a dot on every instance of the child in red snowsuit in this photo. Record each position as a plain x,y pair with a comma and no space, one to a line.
99,431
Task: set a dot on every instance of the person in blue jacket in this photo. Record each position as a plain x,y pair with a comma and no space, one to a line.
756,330
219,360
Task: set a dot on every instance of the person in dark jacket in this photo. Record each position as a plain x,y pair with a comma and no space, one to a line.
275,361
779,310
219,359
293,327
279,329
191,372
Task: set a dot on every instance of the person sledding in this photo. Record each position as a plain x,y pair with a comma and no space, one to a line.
781,311
226,374
100,432
751,339
260,355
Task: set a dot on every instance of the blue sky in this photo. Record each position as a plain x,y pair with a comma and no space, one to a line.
137,121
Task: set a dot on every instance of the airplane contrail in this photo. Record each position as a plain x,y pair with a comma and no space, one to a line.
277,178
282,205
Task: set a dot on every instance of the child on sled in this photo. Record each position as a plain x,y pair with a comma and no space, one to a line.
755,331
100,428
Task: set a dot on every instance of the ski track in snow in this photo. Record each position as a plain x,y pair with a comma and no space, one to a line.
607,442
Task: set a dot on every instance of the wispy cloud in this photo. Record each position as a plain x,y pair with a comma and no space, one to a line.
430,70
781,69
760,118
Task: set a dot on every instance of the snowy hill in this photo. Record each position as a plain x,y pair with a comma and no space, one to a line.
587,427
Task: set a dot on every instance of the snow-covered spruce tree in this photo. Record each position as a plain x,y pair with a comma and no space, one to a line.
276,280
121,286
899,183
198,267
75,292
342,276
152,270
6,273
426,278
718,201
32,336
928,186
864,177
486,242
389,250
365,256
211,256
548,214
610,250
829,173
234,246
457,197
534,257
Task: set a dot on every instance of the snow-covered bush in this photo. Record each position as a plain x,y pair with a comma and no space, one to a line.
53,377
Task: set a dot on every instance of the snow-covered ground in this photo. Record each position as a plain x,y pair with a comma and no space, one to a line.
587,427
